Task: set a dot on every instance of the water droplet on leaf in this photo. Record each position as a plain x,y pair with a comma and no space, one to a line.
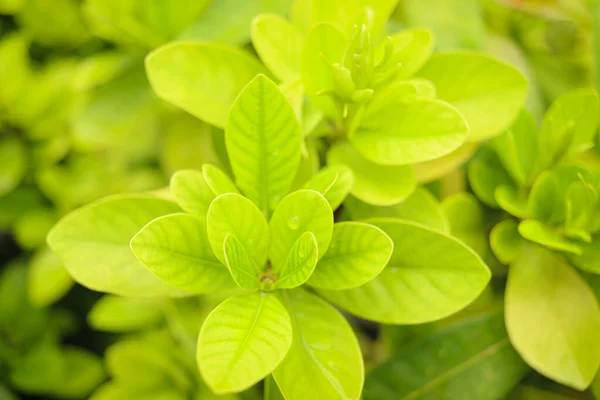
294,222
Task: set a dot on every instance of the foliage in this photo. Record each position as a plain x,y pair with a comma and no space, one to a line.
298,199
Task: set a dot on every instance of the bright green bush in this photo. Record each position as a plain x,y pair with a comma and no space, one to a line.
299,199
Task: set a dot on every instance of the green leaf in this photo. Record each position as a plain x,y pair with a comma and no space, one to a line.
10,7
595,388
467,221
188,143
299,212
114,112
14,164
546,199
177,250
398,133
411,50
486,174
487,92
195,190
242,341
540,233
380,185
17,203
242,267
83,373
512,200
553,318
506,241
263,139
217,180
469,359
31,228
358,253
325,360
47,280
401,92
421,206
324,44
61,25
124,314
341,13
142,364
441,16
581,202
271,390
233,214
517,148
201,78
430,276
589,259
333,182
14,70
39,370
279,45
93,244
569,126
141,24
192,192
306,14
228,21
299,264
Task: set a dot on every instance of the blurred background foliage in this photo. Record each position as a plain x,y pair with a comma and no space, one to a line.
79,121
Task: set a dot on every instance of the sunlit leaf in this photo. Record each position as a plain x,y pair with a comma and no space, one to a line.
358,252
233,214
569,126
299,212
324,360
93,244
242,341
412,49
299,264
421,206
506,241
279,45
323,44
263,139
405,133
177,250
48,280
549,306
429,276
540,233
201,78
124,314
242,267
376,184
333,182
228,21
487,92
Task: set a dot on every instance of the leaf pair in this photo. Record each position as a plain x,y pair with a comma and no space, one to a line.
417,285
307,345
297,234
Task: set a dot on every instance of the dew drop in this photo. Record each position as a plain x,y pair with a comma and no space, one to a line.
294,222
